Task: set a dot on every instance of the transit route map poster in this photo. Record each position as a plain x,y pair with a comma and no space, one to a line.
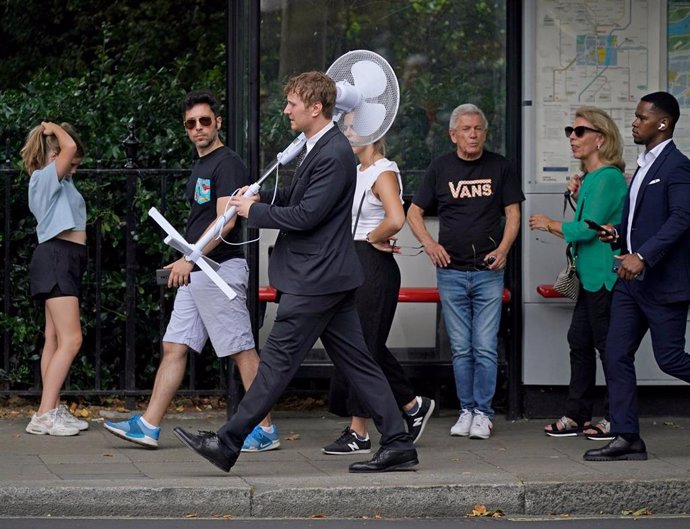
606,54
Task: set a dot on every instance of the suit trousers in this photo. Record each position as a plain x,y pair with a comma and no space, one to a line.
299,322
632,313
376,302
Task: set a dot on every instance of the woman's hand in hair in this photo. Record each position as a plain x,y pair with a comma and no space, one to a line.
67,148
49,128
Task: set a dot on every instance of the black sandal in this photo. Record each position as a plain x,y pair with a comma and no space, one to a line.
603,429
566,428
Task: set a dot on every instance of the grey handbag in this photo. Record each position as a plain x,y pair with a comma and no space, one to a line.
567,282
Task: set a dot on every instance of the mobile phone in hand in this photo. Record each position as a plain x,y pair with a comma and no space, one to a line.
162,275
617,264
598,227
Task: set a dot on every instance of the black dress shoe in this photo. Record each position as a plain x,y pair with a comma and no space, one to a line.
209,446
618,450
386,460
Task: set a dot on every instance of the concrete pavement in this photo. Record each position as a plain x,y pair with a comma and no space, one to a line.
519,471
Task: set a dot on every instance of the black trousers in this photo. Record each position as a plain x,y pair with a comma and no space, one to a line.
377,300
299,322
586,336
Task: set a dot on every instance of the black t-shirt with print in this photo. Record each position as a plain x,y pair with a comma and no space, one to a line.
470,197
218,174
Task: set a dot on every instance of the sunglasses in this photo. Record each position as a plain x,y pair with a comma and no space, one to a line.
579,131
205,121
408,251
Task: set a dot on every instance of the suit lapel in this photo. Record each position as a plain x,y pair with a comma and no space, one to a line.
310,158
651,174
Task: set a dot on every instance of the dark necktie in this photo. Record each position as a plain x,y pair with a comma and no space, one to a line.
302,155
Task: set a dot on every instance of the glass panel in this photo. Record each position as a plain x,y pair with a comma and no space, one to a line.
444,52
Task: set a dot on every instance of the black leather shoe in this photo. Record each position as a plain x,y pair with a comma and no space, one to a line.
208,446
386,460
618,450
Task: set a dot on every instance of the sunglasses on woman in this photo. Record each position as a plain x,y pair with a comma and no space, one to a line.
205,121
579,131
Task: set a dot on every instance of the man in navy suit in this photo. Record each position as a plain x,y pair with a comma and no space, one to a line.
315,269
653,287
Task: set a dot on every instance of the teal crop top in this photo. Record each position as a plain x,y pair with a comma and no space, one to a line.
56,204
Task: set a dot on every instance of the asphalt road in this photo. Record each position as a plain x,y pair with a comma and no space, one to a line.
647,522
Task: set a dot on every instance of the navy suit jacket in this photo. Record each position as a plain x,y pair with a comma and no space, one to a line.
314,253
661,228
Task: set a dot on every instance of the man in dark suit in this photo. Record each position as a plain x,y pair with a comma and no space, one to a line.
653,289
315,269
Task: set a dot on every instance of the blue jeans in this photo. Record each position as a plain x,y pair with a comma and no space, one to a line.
471,304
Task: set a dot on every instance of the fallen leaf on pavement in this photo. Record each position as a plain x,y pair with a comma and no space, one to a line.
292,437
481,511
637,512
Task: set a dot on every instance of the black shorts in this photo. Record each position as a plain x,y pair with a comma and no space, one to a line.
56,269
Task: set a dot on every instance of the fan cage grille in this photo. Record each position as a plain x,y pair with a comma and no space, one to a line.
341,70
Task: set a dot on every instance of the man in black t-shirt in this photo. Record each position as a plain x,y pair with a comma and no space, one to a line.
201,310
473,189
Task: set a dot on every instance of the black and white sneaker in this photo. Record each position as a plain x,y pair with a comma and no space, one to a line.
417,422
348,443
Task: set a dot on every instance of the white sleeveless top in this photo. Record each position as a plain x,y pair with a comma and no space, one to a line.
372,212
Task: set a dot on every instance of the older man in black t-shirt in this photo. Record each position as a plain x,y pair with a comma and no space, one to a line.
473,189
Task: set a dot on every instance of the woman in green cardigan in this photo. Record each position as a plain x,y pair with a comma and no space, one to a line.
597,143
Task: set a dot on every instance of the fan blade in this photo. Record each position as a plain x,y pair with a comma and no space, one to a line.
369,78
369,118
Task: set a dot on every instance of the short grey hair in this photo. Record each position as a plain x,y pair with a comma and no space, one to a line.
462,110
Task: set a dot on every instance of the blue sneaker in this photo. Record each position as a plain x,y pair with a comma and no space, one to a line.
261,441
136,431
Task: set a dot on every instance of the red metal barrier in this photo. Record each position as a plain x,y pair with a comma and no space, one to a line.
406,294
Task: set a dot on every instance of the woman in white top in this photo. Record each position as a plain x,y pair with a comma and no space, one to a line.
51,156
377,216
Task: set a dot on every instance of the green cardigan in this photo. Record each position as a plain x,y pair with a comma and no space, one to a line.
601,199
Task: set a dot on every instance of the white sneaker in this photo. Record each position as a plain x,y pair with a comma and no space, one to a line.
481,426
67,418
49,423
462,427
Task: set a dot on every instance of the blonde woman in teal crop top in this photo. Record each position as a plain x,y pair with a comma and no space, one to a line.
596,141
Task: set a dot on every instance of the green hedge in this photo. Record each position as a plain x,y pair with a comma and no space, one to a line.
101,106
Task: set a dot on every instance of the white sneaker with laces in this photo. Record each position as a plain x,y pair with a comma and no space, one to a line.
481,426
463,425
67,418
49,423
